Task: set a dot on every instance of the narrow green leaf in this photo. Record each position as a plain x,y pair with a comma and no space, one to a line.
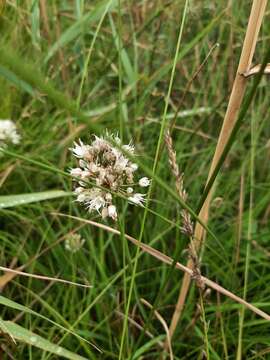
8,201
131,75
35,22
28,337
147,346
14,305
164,70
29,73
78,27
19,83
5,330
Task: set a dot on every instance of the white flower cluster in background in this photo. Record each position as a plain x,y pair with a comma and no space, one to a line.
8,133
103,170
74,242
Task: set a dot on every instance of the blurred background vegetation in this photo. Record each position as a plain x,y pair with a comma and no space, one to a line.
69,68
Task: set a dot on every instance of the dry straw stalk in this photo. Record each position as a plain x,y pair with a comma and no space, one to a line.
167,260
237,94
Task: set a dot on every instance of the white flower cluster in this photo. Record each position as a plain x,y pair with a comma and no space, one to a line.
104,170
74,242
8,133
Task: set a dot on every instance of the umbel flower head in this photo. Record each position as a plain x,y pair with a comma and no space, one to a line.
8,133
104,170
74,242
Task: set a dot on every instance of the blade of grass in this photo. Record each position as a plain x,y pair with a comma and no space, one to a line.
145,168
27,72
186,49
42,277
249,234
20,84
227,135
167,260
123,55
234,132
78,27
8,201
114,277
87,61
161,133
20,333
14,305
35,22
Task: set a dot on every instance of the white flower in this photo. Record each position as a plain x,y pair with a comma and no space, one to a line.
80,150
85,174
104,213
79,190
129,148
8,133
83,164
137,199
134,167
112,213
121,163
113,137
92,167
96,203
103,170
108,197
144,182
82,197
76,172
99,143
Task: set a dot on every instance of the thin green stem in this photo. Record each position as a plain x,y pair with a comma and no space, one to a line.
120,72
161,134
87,61
249,234
205,326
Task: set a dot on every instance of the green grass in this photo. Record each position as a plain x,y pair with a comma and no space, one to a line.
126,66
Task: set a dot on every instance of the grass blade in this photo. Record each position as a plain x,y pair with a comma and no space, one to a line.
227,136
8,201
79,26
20,84
21,334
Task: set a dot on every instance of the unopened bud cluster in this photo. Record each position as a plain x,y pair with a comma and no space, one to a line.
104,170
74,242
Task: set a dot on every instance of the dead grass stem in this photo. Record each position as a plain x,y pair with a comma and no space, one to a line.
235,101
168,260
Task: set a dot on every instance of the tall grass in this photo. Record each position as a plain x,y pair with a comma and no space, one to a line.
226,136
69,69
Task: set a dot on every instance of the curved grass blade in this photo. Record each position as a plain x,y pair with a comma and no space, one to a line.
14,305
21,334
146,347
20,84
28,72
78,27
8,201
160,73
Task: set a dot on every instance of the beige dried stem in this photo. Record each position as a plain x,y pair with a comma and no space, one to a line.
167,260
237,94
